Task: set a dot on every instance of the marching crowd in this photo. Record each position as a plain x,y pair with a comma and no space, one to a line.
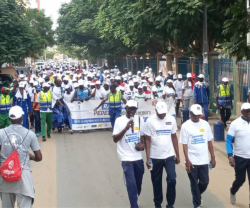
39,100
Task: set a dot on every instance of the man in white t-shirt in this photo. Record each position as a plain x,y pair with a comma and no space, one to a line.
178,88
196,137
128,134
239,153
161,148
187,91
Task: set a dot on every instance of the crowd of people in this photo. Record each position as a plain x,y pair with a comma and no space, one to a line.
39,100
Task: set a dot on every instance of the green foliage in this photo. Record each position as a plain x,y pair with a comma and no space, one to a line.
18,37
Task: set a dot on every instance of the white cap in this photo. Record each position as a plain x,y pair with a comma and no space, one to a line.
129,73
132,103
139,72
98,82
146,70
135,80
76,85
81,82
130,84
140,87
170,73
46,84
41,80
189,75
121,88
117,78
31,81
22,76
143,75
158,78
225,79
65,78
160,70
22,84
180,76
170,81
16,112
92,84
161,107
144,85
175,77
66,87
150,69
150,80
201,76
196,109
245,106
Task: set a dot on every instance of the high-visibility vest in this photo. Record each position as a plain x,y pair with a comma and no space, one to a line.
224,97
38,106
45,102
5,103
115,101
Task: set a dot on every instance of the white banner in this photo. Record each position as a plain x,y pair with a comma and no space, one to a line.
84,117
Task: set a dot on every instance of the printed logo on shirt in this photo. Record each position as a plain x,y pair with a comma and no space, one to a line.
136,127
168,123
202,130
132,138
198,139
163,132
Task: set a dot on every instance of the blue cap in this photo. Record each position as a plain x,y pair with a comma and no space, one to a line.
38,87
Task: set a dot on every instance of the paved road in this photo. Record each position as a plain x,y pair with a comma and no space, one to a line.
82,170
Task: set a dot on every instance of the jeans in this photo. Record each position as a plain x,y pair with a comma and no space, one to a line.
242,166
114,114
37,121
25,120
199,180
225,114
133,174
156,177
189,101
205,107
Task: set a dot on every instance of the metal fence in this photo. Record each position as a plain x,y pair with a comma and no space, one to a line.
243,79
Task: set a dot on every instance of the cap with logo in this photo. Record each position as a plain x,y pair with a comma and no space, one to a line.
132,103
161,107
196,109
16,112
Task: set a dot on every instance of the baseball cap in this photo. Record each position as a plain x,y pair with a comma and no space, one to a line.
129,73
135,80
170,81
46,84
196,109
201,76
66,87
189,75
66,78
150,80
121,88
98,82
132,103
81,82
130,84
118,78
161,107
16,112
139,72
22,84
193,75
175,77
38,87
145,85
140,86
170,73
76,85
245,106
225,79
158,78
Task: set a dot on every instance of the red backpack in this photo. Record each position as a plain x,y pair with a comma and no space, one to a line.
11,168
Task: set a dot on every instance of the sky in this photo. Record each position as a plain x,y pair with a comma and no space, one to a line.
51,8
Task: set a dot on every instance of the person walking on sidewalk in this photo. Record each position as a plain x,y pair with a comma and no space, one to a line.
16,137
36,112
224,100
162,148
196,137
239,153
187,91
202,94
44,98
178,87
129,137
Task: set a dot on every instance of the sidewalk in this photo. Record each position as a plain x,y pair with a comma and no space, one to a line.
218,146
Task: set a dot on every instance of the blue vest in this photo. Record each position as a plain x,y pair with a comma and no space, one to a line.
82,94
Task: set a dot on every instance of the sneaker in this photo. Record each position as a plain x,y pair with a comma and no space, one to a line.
37,134
232,197
49,136
71,131
168,206
44,139
157,206
31,127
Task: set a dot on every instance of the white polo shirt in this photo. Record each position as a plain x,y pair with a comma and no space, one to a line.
196,136
240,130
160,130
126,146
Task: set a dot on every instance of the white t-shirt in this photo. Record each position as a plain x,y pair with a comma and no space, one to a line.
130,94
160,90
160,130
38,101
99,93
126,146
178,87
57,93
240,130
196,136
188,90
68,97
170,101
138,96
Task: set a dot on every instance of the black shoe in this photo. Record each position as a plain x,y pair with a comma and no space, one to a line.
168,206
44,139
49,136
157,206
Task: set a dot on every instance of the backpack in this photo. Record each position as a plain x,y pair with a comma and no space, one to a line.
11,168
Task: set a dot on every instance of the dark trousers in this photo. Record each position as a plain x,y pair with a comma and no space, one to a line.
133,174
178,106
199,180
114,114
205,107
37,121
225,114
32,120
242,166
156,177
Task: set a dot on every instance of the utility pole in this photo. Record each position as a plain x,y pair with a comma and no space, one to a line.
205,43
